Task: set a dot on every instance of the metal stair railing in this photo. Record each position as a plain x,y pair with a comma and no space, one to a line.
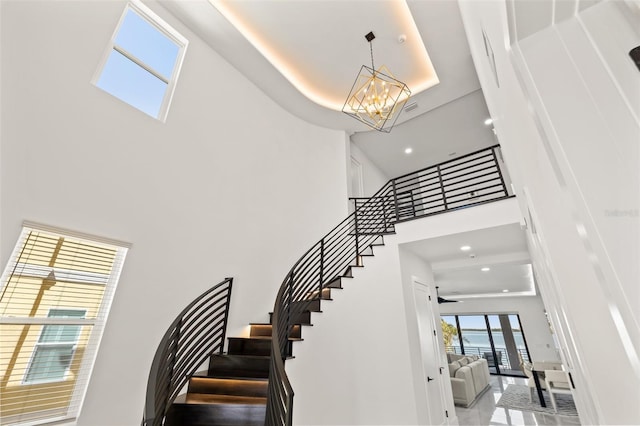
473,179
197,333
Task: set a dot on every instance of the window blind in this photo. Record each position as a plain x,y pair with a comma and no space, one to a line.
55,294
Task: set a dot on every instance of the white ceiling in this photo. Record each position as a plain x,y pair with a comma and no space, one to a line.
517,279
329,34
315,44
503,249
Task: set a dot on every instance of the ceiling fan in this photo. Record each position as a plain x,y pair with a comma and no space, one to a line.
443,300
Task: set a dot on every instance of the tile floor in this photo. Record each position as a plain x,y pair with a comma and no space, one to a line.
485,412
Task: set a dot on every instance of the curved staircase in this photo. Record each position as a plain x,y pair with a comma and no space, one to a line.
248,385
233,390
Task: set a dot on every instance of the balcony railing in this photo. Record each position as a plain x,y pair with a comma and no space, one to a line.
466,181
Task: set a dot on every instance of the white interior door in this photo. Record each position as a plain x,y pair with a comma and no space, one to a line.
429,346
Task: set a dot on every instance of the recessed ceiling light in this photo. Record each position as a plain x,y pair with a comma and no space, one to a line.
408,150
485,269
465,248
505,291
488,121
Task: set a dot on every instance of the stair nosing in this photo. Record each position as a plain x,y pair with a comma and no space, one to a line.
257,400
240,355
262,338
207,375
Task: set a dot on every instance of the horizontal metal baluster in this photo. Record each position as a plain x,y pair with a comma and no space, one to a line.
469,160
184,347
466,193
336,252
477,185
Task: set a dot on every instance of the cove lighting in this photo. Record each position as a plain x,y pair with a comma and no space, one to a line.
309,77
465,248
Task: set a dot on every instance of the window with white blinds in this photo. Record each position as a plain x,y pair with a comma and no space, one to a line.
55,294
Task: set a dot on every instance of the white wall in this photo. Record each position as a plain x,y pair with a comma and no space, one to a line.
531,311
354,366
565,114
231,185
372,177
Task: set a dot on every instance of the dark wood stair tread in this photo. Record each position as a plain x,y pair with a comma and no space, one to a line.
207,375
266,323
206,398
291,339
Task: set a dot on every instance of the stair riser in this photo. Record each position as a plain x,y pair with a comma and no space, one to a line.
215,414
337,283
255,347
303,318
265,330
237,387
249,347
239,366
307,305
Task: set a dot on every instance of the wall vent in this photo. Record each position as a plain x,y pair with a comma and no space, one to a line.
410,107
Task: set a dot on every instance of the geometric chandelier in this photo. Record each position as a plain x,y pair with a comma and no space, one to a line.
376,98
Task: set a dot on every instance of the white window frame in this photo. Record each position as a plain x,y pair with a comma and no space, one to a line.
80,321
98,323
163,27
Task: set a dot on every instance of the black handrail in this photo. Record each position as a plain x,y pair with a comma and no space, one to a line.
197,333
468,180
472,179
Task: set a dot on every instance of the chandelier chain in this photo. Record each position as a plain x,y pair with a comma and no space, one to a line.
371,48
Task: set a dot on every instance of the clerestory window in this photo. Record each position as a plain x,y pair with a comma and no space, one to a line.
143,61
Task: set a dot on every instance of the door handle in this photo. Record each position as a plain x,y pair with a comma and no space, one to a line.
429,379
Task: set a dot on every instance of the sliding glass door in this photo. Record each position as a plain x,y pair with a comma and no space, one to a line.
475,337
498,338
